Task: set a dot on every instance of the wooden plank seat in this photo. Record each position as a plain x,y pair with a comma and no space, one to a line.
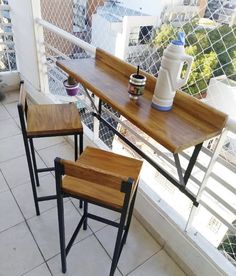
98,175
53,119
102,178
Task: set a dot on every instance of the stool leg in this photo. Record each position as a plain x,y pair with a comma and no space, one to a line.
31,172
85,213
61,225
76,146
80,152
34,162
118,245
81,137
131,208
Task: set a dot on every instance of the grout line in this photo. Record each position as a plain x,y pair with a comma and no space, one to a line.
142,263
1,162
36,268
46,147
117,268
75,243
27,225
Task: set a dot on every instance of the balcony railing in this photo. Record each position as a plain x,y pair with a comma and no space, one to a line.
218,208
212,180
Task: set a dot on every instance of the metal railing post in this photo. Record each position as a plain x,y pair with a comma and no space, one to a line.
211,164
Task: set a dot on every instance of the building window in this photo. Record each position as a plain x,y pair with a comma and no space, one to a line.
140,35
145,34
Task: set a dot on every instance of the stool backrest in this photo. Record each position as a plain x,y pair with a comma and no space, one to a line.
98,176
22,98
91,174
22,107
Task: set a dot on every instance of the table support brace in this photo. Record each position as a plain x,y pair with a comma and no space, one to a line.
150,161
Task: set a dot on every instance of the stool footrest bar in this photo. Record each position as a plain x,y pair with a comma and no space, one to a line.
46,169
43,198
107,221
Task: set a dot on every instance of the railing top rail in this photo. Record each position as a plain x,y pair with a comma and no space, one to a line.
84,45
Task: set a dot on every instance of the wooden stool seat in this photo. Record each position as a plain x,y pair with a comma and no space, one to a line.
102,178
53,119
109,164
46,120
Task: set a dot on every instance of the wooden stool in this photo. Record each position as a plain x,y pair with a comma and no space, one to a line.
46,121
101,178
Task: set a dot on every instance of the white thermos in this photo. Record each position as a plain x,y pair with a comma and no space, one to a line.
169,77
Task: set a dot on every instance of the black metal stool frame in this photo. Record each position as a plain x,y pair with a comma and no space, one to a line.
123,225
30,155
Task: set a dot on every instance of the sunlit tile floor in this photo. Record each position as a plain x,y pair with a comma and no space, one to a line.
29,244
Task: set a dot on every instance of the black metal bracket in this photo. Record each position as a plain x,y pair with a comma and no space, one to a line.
181,183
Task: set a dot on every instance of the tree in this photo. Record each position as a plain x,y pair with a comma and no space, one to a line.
202,70
214,51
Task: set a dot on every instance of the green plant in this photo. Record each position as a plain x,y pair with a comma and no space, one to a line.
71,81
214,51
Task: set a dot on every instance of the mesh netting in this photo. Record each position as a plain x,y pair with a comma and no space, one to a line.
7,49
139,33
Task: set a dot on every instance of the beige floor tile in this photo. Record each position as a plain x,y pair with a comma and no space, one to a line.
63,150
86,258
139,246
45,142
3,113
45,229
12,109
16,170
41,270
11,96
10,214
3,184
11,147
159,264
99,211
8,128
18,251
24,196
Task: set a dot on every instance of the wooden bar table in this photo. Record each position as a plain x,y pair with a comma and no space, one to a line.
189,123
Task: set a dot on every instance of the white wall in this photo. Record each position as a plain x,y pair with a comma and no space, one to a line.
135,21
105,33
114,36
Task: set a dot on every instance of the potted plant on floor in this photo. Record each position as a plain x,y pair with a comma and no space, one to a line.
71,86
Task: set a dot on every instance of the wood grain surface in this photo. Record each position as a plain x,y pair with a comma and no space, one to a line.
98,174
189,123
53,119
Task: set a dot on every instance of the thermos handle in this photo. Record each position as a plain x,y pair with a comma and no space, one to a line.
189,60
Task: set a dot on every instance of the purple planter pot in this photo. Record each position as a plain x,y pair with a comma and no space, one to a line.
71,90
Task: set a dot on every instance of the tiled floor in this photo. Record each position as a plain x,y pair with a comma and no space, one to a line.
29,245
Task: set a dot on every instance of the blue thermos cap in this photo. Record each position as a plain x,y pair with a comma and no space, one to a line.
180,40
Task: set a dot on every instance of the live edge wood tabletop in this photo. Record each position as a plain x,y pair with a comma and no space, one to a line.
189,123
